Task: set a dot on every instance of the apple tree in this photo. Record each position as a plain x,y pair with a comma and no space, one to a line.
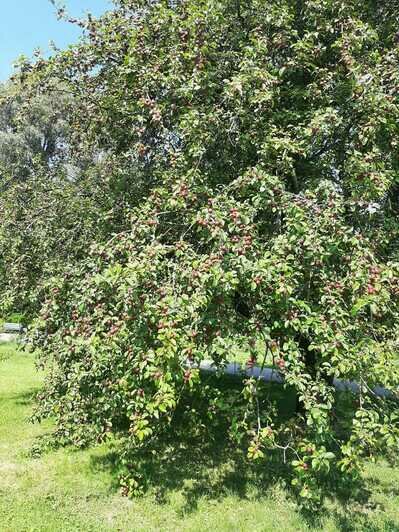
254,146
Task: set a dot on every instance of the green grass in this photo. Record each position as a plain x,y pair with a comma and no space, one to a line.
69,490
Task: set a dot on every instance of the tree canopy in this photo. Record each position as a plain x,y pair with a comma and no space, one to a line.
244,157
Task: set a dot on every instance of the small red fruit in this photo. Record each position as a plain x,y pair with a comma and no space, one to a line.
371,289
251,361
281,363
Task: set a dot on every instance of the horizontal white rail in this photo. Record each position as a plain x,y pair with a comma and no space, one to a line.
271,375
13,327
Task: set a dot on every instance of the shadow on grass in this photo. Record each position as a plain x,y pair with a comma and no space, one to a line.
201,464
25,398
212,468
214,472
364,518
211,471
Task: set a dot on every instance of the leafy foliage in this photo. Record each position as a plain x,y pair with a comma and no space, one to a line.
250,151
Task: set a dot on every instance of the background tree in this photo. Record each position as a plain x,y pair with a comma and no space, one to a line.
29,129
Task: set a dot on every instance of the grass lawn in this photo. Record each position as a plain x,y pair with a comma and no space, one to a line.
70,490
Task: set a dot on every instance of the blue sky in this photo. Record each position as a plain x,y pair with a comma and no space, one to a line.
29,24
